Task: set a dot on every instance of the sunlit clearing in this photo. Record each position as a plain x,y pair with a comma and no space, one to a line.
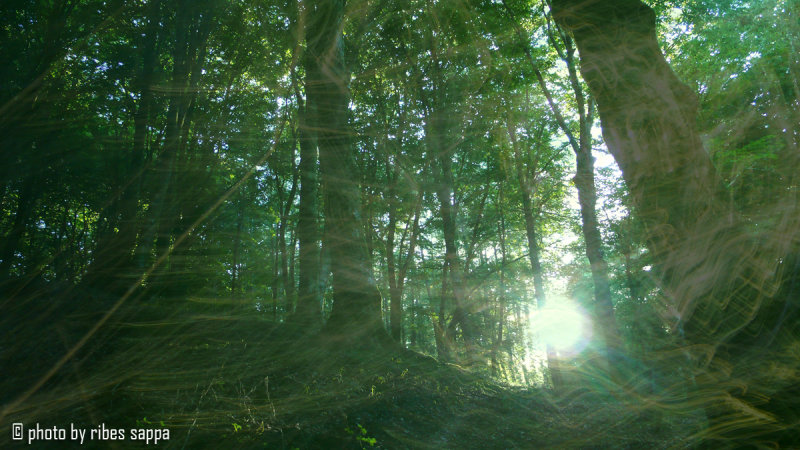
565,328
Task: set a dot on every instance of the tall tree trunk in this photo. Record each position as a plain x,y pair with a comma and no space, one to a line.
275,279
357,302
412,342
443,347
309,299
192,28
395,298
500,317
114,252
156,234
445,193
397,305
587,198
442,154
584,182
287,281
649,126
397,276
164,203
720,283
534,250
292,261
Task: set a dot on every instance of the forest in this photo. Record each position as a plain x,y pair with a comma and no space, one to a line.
400,224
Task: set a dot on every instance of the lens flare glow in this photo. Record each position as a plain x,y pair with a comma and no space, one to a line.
565,328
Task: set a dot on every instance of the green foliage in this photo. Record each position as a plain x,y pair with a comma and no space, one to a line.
361,436
740,57
151,172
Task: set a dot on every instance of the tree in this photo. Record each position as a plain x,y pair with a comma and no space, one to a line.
357,303
584,175
526,191
309,308
715,276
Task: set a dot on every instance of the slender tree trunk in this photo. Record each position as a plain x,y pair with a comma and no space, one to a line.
275,280
366,194
11,242
534,250
114,254
414,320
236,275
292,263
397,277
584,182
443,347
287,281
187,206
397,305
501,299
395,298
156,234
445,192
436,127
168,213
438,124
164,203
587,198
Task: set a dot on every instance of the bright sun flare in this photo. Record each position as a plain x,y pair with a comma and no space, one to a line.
563,327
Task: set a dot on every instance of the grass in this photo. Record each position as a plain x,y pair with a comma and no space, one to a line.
217,380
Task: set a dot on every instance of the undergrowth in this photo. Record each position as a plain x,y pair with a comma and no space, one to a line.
238,381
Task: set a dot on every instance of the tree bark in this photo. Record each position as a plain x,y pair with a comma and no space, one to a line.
584,183
500,317
723,287
287,281
309,300
191,31
534,250
395,298
397,276
114,250
236,275
445,193
357,303
648,116
11,242
587,198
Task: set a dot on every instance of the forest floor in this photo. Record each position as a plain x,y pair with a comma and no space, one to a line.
217,380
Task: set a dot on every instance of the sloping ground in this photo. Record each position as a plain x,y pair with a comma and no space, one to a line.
217,381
